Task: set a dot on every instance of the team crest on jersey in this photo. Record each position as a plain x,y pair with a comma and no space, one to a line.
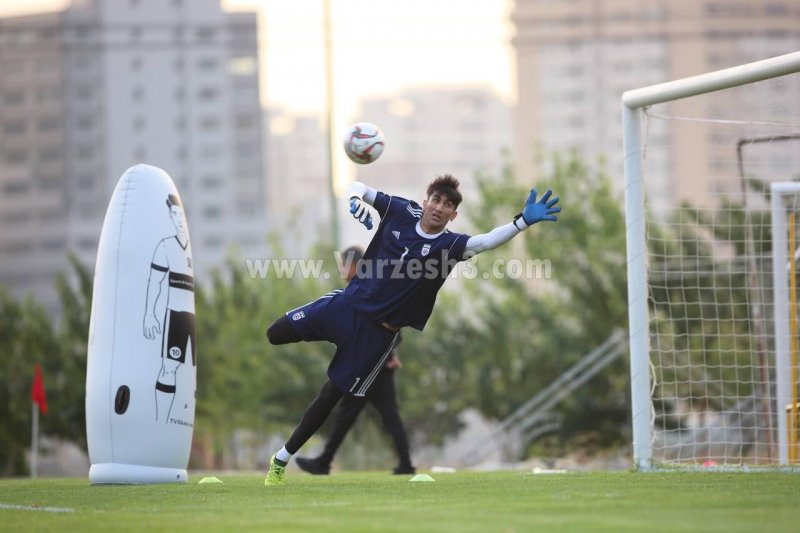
298,315
396,234
426,249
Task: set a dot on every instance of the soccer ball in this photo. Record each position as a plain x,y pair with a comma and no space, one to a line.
363,143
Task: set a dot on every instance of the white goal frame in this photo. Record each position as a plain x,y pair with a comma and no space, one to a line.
781,291
633,104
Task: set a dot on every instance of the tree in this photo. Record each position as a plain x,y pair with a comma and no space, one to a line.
26,336
68,372
519,335
712,345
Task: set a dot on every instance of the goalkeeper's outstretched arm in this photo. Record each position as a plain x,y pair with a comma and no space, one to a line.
362,192
534,211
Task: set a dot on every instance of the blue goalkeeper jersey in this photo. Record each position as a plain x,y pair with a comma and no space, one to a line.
403,269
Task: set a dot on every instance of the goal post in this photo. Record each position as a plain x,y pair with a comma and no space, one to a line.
645,377
784,204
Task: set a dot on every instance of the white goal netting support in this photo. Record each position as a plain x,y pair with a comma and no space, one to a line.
712,332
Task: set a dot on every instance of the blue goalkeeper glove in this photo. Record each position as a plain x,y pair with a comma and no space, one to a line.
360,212
533,212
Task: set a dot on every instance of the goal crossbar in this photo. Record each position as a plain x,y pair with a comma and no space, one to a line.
712,81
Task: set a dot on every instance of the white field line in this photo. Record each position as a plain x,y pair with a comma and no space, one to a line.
13,507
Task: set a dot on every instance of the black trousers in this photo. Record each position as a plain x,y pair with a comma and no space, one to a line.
383,396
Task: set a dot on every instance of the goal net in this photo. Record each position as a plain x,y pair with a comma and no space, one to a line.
712,385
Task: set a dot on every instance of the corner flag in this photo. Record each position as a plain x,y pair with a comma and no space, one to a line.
37,393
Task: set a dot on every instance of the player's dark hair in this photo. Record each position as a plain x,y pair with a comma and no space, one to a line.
352,255
173,199
446,185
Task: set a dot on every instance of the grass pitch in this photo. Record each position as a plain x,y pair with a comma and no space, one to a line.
461,502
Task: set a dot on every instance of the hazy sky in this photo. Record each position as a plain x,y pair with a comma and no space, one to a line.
380,46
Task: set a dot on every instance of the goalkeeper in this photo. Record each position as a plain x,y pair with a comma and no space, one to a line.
403,269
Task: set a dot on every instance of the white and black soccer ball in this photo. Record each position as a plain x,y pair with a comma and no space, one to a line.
363,143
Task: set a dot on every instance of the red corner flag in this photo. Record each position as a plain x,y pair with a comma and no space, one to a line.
37,393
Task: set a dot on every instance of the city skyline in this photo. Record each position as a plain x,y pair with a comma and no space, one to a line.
380,49
105,85
469,46
571,79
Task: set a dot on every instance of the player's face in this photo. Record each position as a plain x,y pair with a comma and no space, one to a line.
176,214
437,211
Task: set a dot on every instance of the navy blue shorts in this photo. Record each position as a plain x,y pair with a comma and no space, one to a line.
362,347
